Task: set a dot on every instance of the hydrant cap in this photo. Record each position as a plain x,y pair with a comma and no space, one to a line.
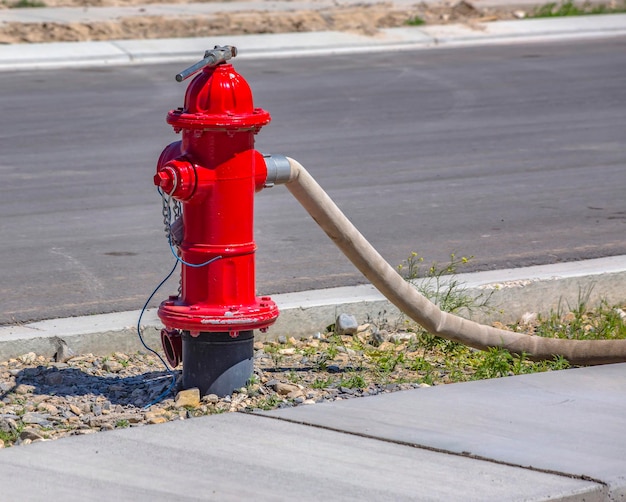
219,98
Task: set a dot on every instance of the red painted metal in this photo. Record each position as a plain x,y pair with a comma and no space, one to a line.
215,171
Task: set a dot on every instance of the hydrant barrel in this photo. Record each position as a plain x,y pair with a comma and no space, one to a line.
214,171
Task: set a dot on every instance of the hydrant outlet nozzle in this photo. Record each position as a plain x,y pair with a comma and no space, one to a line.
176,178
165,180
213,57
278,170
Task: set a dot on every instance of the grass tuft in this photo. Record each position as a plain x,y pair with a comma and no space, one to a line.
569,8
415,21
25,4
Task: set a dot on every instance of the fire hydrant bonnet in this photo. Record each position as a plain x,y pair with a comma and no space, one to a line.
218,99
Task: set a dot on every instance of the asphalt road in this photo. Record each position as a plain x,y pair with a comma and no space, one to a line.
515,155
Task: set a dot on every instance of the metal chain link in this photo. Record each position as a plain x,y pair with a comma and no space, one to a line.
171,207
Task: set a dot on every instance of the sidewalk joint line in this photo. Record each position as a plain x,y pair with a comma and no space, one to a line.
464,454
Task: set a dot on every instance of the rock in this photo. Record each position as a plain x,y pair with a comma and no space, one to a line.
189,397
28,358
54,378
296,394
35,418
39,399
402,337
158,416
364,328
285,388
282,339
529,318
519,14
346,324
157,420
112,366
48,408
287,352
236,402
76,410
386,346
64,353
379,337
8,425
24,389
210,399
30,435
258,345
83,432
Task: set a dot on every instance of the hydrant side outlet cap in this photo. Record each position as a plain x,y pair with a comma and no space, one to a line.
218,98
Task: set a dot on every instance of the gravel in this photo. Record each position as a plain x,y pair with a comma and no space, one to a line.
43,399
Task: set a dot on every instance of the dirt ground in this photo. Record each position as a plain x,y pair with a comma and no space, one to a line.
363,19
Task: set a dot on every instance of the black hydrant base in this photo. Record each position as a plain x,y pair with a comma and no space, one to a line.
217,363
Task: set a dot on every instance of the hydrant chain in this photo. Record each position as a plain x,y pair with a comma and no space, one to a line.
170,205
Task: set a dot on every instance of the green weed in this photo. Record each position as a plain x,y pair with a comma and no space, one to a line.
323,383
569,8
270,402
439,283
354,381
24,4
415,21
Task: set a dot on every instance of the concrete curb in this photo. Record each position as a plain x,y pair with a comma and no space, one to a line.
514,292
124,52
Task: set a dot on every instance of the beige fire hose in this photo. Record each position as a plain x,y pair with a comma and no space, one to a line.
404,296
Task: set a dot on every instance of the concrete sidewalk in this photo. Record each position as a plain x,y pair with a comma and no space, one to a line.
182,50
549,436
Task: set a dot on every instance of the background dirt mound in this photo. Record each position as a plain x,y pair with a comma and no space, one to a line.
364,19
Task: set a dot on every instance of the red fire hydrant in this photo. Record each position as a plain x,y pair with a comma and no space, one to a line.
214,172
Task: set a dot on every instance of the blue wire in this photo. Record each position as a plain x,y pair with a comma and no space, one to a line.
167,368
178,258
143,310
